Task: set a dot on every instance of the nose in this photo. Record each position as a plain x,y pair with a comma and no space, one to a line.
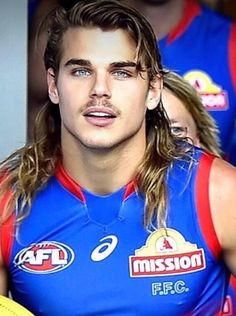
100,87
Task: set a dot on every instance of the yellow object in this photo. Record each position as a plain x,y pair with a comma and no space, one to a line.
8,307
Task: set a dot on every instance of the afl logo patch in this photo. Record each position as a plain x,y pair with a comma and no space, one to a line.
45,257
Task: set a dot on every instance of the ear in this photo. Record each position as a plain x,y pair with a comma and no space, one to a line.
52,87
154,93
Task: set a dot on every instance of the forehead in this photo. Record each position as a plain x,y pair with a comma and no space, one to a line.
97,45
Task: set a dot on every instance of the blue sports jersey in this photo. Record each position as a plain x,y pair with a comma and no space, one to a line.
202,48
82,254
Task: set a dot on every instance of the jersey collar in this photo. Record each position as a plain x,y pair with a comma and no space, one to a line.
73,187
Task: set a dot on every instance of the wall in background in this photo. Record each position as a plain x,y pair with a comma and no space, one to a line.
13,75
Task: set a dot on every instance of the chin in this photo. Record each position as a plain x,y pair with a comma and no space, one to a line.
106,145
99,145
110,141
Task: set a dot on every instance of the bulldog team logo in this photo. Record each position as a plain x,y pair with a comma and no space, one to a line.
44,257
213,96
166,253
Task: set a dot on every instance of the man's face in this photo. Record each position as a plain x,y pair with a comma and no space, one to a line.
102,98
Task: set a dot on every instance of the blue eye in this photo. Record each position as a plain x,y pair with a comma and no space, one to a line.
121,74
178,131
81,72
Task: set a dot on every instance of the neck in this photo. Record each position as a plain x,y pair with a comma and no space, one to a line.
163,17
103,171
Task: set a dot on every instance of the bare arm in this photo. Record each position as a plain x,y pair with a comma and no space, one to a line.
223,207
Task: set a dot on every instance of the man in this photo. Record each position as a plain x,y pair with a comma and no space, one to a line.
104,202
199,44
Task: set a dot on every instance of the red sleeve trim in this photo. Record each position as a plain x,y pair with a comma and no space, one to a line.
233,282
203,204
232,54
192,9
6,231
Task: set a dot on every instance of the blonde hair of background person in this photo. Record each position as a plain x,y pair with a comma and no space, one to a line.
204,130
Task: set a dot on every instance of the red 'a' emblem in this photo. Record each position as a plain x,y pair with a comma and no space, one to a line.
166,245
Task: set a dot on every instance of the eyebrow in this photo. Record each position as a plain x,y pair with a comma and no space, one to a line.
122,64
87,63
174,121
78,62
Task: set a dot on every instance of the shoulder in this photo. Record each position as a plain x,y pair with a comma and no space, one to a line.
222,179
222,193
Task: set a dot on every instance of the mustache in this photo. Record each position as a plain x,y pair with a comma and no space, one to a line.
100,103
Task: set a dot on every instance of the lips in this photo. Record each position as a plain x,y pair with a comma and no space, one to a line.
99,111
99,116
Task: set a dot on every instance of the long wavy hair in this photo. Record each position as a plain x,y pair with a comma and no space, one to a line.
28,170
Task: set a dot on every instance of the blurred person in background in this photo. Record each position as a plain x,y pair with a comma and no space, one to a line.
37,35
37,84
190,119
199,44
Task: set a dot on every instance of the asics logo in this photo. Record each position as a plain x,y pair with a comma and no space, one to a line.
107,246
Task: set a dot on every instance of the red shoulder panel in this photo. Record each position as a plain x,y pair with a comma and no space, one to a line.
203,204
233,282
6,230
232,54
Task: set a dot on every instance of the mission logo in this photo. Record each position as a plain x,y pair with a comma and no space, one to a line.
44,257
166,253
